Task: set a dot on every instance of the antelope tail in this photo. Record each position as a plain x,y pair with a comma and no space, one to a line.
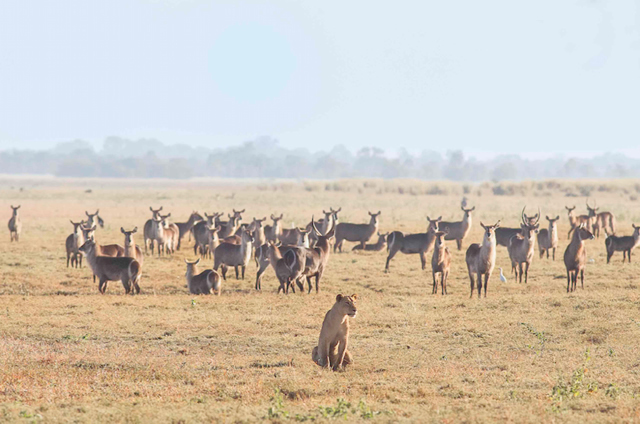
290,259
134,270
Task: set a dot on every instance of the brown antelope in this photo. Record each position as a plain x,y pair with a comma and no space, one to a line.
258,231
272,232
288,265
94,218
185,228
481,258
262,258
575,256
15,224
625,244
107,269
330,218
148,230
361,233
548,238
295,237
204,282
380,245
504,234
228,254
522,247
603,220
230,227
112,250
163,235
459,230
131,250
316,259
171,231
576,220
440,262
73,243
411,244
206,237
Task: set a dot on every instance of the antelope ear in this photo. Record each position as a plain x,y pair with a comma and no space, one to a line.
557,217
122,230
272,217
379,212
354,296
135,230
87,213
473,209
339,298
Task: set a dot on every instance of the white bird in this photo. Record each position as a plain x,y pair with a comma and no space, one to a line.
502,277
592,261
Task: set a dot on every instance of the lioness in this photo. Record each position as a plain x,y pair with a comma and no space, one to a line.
334,336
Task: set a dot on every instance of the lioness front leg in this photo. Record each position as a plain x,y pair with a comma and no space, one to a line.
342,349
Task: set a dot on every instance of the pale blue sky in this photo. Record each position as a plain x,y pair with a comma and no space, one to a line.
496,76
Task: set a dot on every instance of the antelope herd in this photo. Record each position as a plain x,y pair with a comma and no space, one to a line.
299,254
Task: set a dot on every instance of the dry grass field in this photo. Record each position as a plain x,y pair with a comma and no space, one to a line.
527,353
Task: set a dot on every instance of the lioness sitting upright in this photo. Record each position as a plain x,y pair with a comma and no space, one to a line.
334,336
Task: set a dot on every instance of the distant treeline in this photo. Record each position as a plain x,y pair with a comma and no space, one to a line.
264,158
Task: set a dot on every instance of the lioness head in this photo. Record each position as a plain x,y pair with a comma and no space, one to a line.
348,304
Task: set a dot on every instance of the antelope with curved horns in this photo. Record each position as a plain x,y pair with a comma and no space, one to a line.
522,246
318,257
504,234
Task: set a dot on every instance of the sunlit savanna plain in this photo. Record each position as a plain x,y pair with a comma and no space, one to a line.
527,353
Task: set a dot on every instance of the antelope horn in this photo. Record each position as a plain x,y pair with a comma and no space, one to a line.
524,217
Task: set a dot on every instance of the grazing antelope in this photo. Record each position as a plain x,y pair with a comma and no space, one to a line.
575,256
148,230
481,258
381,244
440,262
228,254
459,230
272,232
548,238
504,234
206,237
288,265
73,243
316,259
625,244
93,218
603,220
203,283
107,269
15,224
131,250
230,227
163,235
576,220
522,247
409,244
356,232
185,228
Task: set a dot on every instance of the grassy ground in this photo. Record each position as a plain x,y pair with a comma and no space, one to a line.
527,353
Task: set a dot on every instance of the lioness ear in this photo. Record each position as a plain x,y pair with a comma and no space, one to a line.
354,296
338,298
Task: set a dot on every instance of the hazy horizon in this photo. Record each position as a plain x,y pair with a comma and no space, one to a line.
537,79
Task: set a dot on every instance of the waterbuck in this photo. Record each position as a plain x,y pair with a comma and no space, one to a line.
204,282
625,244
295,236
206,237
113,250
262,257
410,244
93,218
316,259
73,243
228,254
459,230
15,224
323,224
481,258
229,228
548,238
361,233
575,256
504,234
272,232
164,235
522,247
131,250
380,245
440,262
148,230
601,221
258,231
288,265
576,220
185,228
106,268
